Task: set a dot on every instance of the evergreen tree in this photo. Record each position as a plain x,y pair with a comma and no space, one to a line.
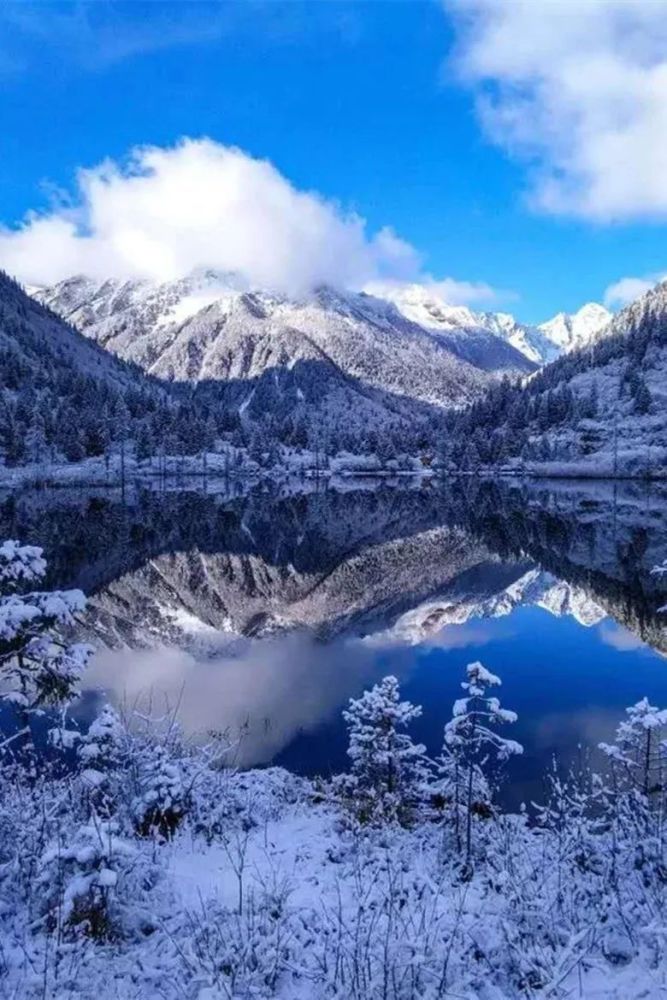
639,754
79,882
146,446
389,772
161,803
469,739
643,398
38,667
103,745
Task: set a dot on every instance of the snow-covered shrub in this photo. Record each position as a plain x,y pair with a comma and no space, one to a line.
92,882
469,741
389,773
220,798
247,953
37,667
161,802
102,752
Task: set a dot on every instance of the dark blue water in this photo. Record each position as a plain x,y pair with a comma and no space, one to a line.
260,615
568,684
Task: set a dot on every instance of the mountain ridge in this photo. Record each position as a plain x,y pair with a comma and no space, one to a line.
491,341
600,409
539,344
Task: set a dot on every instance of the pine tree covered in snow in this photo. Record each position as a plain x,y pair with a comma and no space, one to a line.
102,746
38,667
470,741
389,772
639,754
102,752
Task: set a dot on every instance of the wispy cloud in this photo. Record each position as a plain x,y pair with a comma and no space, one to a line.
620,638
626,290
93,36
578,92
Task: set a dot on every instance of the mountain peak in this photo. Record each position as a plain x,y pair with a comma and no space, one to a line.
569,331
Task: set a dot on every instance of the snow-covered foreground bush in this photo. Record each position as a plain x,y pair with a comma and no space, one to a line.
264,888
146,868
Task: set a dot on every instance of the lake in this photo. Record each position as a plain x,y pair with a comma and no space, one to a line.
261,612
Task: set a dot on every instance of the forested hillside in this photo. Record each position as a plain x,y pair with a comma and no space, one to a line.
63,397
602,408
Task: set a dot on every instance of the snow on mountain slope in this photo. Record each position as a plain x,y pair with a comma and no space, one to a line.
40,341
209,327
199,600
538,344
492,340
535,588
570,331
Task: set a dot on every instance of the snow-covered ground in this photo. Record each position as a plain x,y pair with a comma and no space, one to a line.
231,463
142,867
275,898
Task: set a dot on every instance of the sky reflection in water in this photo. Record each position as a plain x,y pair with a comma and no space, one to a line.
359,587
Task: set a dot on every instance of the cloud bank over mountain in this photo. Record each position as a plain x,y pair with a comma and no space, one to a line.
199,204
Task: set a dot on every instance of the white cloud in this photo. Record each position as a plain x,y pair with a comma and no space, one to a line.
577,90
626,290
269,689
200,204
449,290
620,638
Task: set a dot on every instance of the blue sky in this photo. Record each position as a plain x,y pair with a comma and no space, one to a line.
361,102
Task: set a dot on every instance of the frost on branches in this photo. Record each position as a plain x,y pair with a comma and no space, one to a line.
93,884
161,803
389,771
470,739
37,667
639,755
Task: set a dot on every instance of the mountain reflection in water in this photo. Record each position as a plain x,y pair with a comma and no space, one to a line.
268,611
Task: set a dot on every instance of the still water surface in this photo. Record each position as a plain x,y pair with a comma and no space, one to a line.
263,613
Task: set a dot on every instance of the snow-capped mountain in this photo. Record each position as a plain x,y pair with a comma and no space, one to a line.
208,327
534,588
487,339
538,344
402,339
570,331
601,409
332,369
